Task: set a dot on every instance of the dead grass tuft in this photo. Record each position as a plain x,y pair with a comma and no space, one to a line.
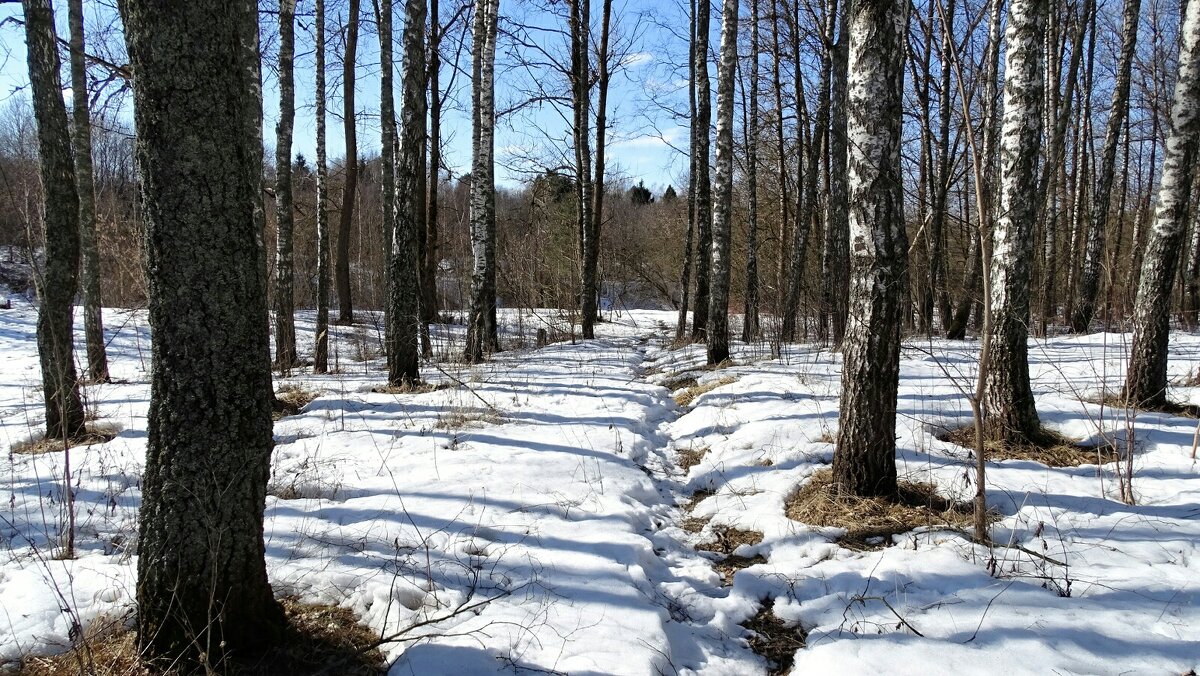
826,438
870,523
700,495
689,395
1053,449
290,398
772,639
320,639
727,539
680,383
1116,400
94,434
462,418
411,388
694,524
687,458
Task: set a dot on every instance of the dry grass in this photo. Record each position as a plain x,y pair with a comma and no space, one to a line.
772,639
688,395
870,523
826,438
694,524
320,639
1116,400
466,417
679,383
1053,449
95,434
727,539
409,388
697,497
687,458
290,398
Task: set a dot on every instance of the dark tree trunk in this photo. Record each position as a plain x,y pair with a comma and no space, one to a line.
750,313
350,185
202,579
1008,405
285,323
321,351
1146,379
685,274
591,255
718,309
835,273
60,274
429,263
387,136
404,318
864,463
93,324
700,151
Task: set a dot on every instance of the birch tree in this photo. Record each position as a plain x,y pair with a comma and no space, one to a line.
81,113
429,263
590,288
202,587
481,322
700,151
718,309
864,462
404,316
1146,378
285,326
1008,405
350,184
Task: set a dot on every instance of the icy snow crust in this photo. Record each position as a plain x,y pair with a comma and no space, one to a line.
535,506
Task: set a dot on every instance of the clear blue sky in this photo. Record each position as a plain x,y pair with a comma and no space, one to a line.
640,130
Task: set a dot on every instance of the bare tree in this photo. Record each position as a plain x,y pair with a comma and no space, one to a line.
321,350
1008,407
1146,378
750,313
81,112
481,323
350,184
718,309
429,263
285,323
864,463
404,317
589,289
202,582
60,206
703,181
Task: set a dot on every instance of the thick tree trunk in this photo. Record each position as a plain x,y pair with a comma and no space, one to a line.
285,324
718,308
750,311
202,580
93,324
350,184
1089,281
700,151
591,258
1008,406
864,463
404,317
60,274
481,323
1146,379
321,350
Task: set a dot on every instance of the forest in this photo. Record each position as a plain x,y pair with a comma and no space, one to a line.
574,337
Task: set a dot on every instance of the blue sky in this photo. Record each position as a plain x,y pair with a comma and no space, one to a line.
640,135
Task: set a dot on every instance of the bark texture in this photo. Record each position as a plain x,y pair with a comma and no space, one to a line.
864,463
481,321
700,151
321,350
590,289
350,185
202,581
93,322
60,219
718,308
404,317
429,262
285,322
1008,406
1146,378
750,310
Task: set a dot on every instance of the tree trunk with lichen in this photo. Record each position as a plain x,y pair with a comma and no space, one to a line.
202,582
864,463
718,308
482,336
60,274
285,321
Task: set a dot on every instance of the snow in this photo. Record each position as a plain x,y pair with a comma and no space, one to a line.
532,508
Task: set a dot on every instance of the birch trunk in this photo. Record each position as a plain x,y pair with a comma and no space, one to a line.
685,273
864,463
1008,406
481,323
93,323
285,326
718,309
700,151
429,263
1146,379
404,318
60,206
590,287
202,582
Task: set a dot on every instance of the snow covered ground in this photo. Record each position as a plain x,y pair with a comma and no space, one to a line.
529,516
